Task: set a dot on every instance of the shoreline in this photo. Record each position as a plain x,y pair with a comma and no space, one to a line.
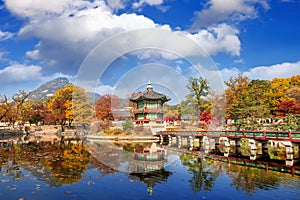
9,132
124,138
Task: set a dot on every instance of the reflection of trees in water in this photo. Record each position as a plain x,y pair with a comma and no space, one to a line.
69,167
203,175
243,178
250,179
50,162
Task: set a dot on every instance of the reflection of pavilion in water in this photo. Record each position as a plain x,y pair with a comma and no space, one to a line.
142,161
148,159
148,166
151,178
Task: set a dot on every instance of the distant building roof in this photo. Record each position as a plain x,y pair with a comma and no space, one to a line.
121,113
149,94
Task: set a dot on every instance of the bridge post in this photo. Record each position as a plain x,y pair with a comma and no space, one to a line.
224,146
227,147
179,141
161,139
169,140
289,154
205,144
253,149
191,142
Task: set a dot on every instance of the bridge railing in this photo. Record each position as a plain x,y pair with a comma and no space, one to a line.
283,135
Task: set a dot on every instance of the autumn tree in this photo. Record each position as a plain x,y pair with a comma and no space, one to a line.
199,89
35,112
288,107
279,93
189,106
13,111
103,109
19,99
212,110
48,114
70,104
4,107
236,87
82,109
252,105
294,92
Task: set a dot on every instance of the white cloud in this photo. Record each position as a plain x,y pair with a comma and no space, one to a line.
67,49
283,70
5,35
44,9
3,55
218,38
214,39
51,77
27,8
19,73
140,3
26,77
239,61
69,29
154,55
234,10
34,54
104,89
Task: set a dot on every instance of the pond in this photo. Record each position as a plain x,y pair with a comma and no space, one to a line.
107,170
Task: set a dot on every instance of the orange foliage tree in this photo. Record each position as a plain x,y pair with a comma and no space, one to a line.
104,107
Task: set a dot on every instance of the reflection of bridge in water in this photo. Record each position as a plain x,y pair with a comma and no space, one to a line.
242,161
277,146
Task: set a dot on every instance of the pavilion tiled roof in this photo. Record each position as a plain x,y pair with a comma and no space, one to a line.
149,94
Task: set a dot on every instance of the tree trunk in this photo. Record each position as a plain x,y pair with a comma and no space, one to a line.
62,125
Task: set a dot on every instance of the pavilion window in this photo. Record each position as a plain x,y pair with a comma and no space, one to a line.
151,116
141,105
151,105
140,116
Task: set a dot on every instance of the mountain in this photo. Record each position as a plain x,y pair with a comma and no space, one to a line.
48,89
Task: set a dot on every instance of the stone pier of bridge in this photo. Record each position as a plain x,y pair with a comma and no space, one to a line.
244,147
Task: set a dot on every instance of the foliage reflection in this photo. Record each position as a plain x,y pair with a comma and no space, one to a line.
243,178
63,164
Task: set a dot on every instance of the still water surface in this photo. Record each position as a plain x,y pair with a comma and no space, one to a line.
131,171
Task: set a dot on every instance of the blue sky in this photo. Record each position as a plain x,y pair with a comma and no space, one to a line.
41,40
